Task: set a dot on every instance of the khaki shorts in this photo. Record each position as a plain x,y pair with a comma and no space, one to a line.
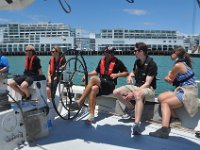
149,93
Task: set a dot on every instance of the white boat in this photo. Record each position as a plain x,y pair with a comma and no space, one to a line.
32,129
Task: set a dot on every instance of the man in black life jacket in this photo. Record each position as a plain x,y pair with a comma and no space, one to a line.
20,83
144,72
108,69
55,63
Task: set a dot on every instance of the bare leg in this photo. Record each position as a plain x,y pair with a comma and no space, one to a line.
24,87
93,81
16,88
119,93
139,106
168,101
92,102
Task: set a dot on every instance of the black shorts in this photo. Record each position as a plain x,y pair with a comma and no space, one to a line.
107,87
22,78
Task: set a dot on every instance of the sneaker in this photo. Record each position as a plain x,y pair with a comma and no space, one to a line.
135,129
161,133
24,98
129,114
75,106
90,120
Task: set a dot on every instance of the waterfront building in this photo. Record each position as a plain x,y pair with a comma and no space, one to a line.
43,36
125,39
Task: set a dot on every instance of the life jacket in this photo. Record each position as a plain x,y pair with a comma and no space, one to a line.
29,64
176,82
110,68
141,72
52,64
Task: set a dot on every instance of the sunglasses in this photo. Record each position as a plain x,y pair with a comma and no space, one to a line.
28,50
53,51
137,50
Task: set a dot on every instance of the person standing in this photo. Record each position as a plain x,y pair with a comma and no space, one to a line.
32,70
109,69
55,63
144,72
185,94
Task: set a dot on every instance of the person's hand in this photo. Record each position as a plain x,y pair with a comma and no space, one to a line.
114,75
167,79
129,96
129,80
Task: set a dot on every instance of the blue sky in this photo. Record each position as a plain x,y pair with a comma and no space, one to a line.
94,15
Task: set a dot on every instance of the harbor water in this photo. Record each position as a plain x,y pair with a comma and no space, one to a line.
164,65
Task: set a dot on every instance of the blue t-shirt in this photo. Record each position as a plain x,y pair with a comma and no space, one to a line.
4,63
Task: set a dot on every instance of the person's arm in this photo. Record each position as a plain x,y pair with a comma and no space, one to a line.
148,81
48,74
129,79
3,69
173,73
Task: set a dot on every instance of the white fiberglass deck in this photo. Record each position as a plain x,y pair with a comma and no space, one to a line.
110,133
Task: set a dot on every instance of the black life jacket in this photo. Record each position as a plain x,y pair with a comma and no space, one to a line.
141,72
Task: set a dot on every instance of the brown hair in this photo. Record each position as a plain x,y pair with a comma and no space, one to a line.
142,46
183,56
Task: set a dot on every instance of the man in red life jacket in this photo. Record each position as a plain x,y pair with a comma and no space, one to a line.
55,63
32,69
108,69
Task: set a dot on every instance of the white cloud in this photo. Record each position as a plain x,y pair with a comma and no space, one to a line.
148,23
137,12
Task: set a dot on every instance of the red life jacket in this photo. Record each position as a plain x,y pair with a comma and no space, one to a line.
110,68
52,63
29,64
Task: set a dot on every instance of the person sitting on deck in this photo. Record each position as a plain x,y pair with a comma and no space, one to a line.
20,83
109,69
56,62
4,66
144,71
186,92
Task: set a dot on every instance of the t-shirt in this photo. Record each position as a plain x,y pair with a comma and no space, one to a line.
141,71
118,67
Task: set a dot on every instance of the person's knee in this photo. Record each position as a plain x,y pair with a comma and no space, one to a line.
139,96
95,89
116,92
24,85
12,83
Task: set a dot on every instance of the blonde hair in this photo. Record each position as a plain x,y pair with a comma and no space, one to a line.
30,47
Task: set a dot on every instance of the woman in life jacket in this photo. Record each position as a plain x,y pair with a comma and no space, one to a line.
185,94
31,72
55,63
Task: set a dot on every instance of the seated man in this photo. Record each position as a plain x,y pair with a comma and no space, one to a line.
4,66
144,71
109,69
32,69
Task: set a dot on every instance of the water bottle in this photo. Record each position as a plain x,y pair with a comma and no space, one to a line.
49,123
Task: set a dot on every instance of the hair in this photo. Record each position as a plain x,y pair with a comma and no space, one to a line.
142,46
183,56
32,48
57,49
